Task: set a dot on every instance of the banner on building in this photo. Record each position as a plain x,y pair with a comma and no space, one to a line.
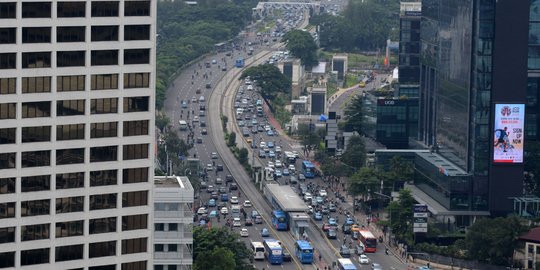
508,133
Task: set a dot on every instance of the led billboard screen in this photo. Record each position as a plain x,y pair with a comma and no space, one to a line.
508,133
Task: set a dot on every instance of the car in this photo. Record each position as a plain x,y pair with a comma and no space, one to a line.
224,210
363,259
213,213
260,129
248,222
325,227
184,104
265,232
211,203
270,133
236,222
247,204
307,196
319,200
424,268
244,232
286,256
219,181
266,149
214,155
210,189
193,99
345,252
195,118
267,128
202,113
346,228
254,213
224,197
233,186
325,210
376,266
332,207
292,168
270,164
209,167
296,154
332,222
279,164
203,185
258,220
278,173
229,178
222,190
301,177
331,233
278,149
219,168
271,154
262,154
214,195
214,61
202,123
234,200
359,249
323,193
241,123
202,211
286,172
293,180
262,144
199,139
204,131
271,144
318,215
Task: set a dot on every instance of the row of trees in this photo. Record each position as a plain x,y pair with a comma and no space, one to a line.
186,32
302,45
219,249
364,25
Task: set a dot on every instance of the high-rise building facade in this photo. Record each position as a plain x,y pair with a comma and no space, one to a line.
473,70
409,49
76,134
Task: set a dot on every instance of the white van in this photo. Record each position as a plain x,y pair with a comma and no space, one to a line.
201,99
239,111
183,125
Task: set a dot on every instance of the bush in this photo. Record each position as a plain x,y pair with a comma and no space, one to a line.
231,140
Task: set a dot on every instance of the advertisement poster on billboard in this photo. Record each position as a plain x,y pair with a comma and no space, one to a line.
508,133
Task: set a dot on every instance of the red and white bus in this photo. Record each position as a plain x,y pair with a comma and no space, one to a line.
367,241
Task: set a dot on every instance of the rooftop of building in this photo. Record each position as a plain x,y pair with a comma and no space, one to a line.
172,182
532,236
320,68
446,167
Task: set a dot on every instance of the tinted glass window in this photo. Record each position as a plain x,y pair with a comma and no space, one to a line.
136,128
70,228
105,9
104,105
7,86
69,156
137,32
7,210
103,201
102,225
35,183
36,60
103,178
70,59
102,249
36,84
135,175
105,33
35,208
7,135
36,35
7,185
137,8
36,9
8,10
36,134
69,204
70,132
103,130
136,56
71,9
70,107
8,60
7,235
104,81
136,104
70,83
35,232
70,180
104,153
35,256
36,109
69,253
135,151
8,35
7,160
70,34
135,222
105,58
136,80
36,159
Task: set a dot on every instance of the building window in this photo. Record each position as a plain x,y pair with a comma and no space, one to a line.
103,267
136,128
35,256
137,8
102,225
7,135
70,132
7,86
71,9
136,32
135,151
70,83
135,222
7,160
36,85
36,134
35,232
7,235
105,9
36,60
70,180
69,228
159,247
35,183
36,35
70,34
36,9
103,130
173,227
105,33
104,105
137,245
8,60
7,210
159,227
134,175
70,107
8,110
8,35
102,249
35,208
105,58
8,10
173,248
70,59
103,178
104,81
141,265
136,80
136,56
136,104
103,153
69,156
103,201
135,198
7,185
69,253
69,204
36,158
36,109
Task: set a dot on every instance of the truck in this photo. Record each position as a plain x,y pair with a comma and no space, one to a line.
235,211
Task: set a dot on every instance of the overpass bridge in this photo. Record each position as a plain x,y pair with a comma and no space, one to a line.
263,8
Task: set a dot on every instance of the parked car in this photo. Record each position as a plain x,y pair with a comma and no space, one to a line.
265,232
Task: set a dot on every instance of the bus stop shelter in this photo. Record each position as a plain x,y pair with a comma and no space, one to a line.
285,199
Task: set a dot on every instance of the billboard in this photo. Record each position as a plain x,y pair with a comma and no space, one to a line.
508,133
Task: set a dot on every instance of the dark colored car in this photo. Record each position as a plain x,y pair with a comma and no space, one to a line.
332,207
287,256
331,233
222,190
233,187
202,123
219,167
229,178
249,222
215,195
199,139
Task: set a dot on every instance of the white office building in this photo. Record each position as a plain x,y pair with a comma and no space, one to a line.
76,134
173,223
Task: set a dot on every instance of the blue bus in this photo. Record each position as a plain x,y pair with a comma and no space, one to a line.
280,220
308,169
239,63
274,251
304,251
345,264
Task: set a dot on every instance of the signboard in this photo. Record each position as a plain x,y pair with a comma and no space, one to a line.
420,230
420,220
508,133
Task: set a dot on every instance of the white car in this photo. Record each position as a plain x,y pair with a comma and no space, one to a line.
224,211
195,118
236,222
270,164
292,168
323,193
279,164
296,154
234,200
262,144
307,196
247,204
202,211
278,149
244,232
363,259
267,128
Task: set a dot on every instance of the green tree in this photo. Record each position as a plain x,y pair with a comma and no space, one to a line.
208,240
364,182
354,115
232,139
270,80
355,154
216,259
308,137
494,240
401,214
243,155
302,45
162,121
335,32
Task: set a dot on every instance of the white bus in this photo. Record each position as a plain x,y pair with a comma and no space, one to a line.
258,250
183,125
